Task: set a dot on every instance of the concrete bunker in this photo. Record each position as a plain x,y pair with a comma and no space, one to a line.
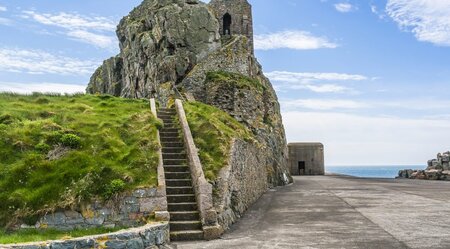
306,159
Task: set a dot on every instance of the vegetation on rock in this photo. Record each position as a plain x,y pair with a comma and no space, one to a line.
234,79
213,131
58,151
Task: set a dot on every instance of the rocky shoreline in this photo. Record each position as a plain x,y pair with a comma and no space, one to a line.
438,169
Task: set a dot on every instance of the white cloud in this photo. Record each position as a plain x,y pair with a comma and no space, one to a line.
344,7
102,41
96,30
299,40
362,140
3,8
321,104
72,21
429,20
26,88
5,21
310,77
311,81
40,62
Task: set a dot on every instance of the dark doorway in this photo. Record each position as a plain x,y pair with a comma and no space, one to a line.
227,24
301,168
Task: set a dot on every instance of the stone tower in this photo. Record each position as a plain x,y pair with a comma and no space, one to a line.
235,18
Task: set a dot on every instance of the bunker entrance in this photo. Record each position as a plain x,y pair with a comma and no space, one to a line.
301,168
227,24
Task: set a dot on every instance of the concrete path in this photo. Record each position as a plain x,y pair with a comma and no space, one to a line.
344,212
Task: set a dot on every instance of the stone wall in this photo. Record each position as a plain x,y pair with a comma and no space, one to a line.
149,236
241,17
241,182
130,210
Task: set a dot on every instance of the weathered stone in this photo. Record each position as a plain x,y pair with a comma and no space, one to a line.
162,216
54,219
152,204
135,243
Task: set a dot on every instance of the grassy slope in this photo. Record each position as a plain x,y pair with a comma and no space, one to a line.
117,144
49,234
213,131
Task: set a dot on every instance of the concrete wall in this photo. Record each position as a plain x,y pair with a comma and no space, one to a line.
310,153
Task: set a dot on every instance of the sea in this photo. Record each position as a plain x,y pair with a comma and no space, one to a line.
370,171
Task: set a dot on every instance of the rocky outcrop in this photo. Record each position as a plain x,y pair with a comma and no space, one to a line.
438,169
171,46
107,79
160,42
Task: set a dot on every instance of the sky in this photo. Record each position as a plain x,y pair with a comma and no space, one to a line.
369,79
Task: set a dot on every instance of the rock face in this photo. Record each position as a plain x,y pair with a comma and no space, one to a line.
160,42
438,169
205,51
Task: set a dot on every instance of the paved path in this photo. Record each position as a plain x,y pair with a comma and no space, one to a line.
344,212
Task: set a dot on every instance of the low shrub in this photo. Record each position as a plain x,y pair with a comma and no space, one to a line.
71,140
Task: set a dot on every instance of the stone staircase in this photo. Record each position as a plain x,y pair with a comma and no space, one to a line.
185,221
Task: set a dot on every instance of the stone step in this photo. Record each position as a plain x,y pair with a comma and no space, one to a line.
171,140
171,110
169,130
185,225
186,235
172,144
184,215
182,207
173,150
178,182
174,155
175,162
179,190
178,175
163,115
167,121
169,126
180,168
169,134
180,198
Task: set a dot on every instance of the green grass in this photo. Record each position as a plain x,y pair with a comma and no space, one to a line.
33,235
110,146
213,131
234,79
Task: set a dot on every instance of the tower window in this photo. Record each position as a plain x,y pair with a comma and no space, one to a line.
227,24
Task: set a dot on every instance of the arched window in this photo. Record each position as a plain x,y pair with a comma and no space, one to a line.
227,24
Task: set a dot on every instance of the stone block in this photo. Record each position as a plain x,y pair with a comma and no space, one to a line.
96,221
54,219
162,216
212,232
116,244
136,243
151,205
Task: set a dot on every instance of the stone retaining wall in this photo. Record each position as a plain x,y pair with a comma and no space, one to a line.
130,210
149,236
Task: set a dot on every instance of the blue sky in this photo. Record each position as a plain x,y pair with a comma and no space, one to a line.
369,79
